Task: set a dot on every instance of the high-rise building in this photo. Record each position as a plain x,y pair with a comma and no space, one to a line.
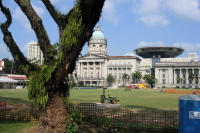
1,66
35,55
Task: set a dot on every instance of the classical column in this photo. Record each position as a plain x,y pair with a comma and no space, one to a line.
186,76
160,75
80,70
100,69
94,70
193,81
87,69
181,74
174,80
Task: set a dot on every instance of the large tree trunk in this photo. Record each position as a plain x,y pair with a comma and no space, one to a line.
53,118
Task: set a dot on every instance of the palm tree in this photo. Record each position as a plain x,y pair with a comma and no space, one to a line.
136,76
150,79
125,78
110,79
179,80
191,77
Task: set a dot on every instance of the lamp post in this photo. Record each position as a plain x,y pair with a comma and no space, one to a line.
12,66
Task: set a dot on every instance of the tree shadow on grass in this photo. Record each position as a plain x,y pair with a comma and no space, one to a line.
9,100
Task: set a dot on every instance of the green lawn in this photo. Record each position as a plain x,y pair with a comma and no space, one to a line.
15,127
139,99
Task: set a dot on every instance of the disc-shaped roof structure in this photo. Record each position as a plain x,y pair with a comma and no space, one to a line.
159,51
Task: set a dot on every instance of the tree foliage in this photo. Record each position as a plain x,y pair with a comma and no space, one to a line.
125,78
136,76
151,80
110,79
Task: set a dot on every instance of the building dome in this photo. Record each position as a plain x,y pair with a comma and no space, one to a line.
98,34
97,43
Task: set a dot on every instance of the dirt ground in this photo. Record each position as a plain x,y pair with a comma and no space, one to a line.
91,128
85,127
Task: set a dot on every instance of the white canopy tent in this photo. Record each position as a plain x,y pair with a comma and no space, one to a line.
6,83
7,80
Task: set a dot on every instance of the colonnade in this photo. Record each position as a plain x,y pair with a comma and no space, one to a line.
169,76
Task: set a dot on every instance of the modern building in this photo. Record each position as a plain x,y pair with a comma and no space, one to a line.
168,70
35,54
160,61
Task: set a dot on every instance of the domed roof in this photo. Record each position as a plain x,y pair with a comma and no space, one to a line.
98,34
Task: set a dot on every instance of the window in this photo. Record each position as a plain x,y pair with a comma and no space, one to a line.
163,76
163,81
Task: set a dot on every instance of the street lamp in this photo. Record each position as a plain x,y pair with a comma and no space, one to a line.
12,66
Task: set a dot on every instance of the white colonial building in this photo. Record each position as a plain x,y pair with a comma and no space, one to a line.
159,61
94,67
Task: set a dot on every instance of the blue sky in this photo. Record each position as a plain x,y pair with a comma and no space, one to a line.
127,25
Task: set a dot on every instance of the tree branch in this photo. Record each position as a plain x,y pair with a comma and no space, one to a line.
37,26
8,39
54,13
90,12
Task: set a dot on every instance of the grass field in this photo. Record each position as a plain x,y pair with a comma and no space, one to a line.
139,99
145,99
16,127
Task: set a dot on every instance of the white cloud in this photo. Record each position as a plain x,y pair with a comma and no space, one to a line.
154,12
112,11
188,46
39,10
145,44
188,9
129,54
19,15
150,12
3,49
150,20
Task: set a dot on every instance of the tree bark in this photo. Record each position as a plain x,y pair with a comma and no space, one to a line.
50,91
53,118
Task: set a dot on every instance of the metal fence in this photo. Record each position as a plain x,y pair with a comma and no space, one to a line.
155,121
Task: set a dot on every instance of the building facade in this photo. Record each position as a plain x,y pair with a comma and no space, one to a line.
1,66
35,54
178,74
94,67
